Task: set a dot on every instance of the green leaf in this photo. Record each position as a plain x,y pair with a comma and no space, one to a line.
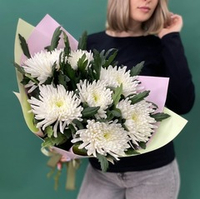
25,80
31,78
24,46
26,77
89,111
155,106
111,54
69,131
67,48
49,131
78,151
54,141
160,116
139,97
47,142
55,73
19,68
98,62
72,130
82,41
48,81
103,162
61,60
109,117
136,70
63,79
131,151
69,71
78,124
117,94
82,63
142,145
55,39
116,112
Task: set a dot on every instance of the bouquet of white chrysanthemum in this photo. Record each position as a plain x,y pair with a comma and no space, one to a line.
82,102
80,96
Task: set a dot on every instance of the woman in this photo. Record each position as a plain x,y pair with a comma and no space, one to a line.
143,30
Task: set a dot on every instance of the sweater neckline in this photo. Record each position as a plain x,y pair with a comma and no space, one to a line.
125,37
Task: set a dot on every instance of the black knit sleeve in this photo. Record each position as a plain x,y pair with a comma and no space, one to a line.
181,92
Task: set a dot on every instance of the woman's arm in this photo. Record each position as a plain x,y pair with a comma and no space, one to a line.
181,93
181,89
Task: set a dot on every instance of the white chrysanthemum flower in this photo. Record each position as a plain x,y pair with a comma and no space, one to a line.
103,138
76,55
115,76
55,106
138,120
40,65
95,94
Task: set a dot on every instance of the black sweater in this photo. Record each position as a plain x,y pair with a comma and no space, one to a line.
163,57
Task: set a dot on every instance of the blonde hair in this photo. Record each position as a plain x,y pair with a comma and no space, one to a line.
118,17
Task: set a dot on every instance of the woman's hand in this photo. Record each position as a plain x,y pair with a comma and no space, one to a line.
175,25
